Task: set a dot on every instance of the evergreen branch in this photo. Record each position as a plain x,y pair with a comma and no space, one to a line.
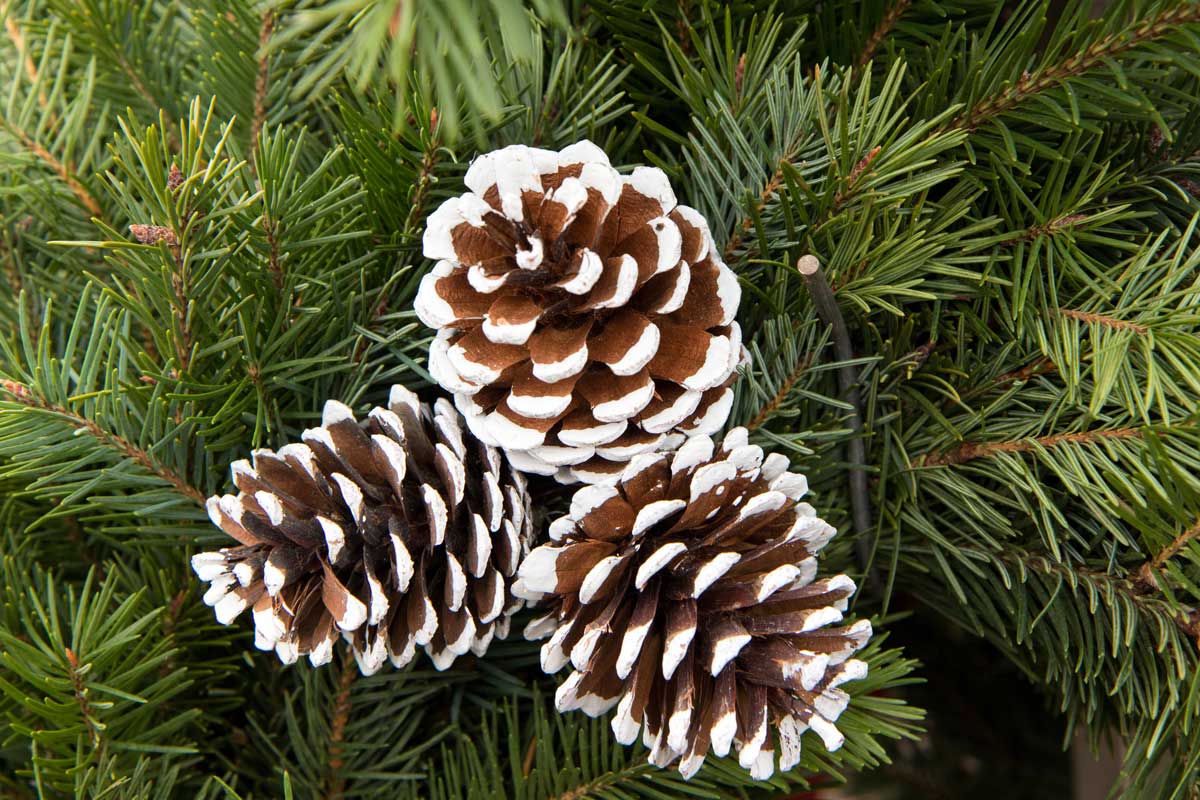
1147,574
81,698
1048,228
764,197
1123,586
969,451
1171,550
77,188
21,394
780,396
1042,366
1093,318
261,80
885,27
17,37
1049,76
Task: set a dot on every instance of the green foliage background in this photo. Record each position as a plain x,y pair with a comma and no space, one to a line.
210,218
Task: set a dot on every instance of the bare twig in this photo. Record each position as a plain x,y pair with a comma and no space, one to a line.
969,451
856,452
261,81
882,31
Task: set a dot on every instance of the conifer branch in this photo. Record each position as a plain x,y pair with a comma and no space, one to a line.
64,173
1049,76
882,31
17,37
969,451
1042,366
261,81
81,698
1147,574
21,394
1093,318
780,395
1048,228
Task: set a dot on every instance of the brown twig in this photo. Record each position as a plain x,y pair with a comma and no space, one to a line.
885,27
776,399
1074,66
261,82
969,451
337,729
81,697
1048,228
1042,366
1147,574
21,394
530,753
1092,318
80,191
17,37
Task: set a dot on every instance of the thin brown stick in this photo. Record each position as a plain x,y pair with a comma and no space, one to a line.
80,191
969,451
22,394
1040,80
1049,228
1093,318
885,27
776,399
17,37
81,698
337,729
262,81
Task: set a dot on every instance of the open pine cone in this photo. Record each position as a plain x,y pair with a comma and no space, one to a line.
401,531
582,316
685,596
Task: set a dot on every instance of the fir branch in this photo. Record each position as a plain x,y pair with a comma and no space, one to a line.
1042,366
1093,318
17,37
1147,574
1048,228
21,394
63,171
261,81
780,395
969,451
1049,76
884,29
81,699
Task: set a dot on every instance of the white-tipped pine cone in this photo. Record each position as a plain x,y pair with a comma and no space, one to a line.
399,532
582,316
685,595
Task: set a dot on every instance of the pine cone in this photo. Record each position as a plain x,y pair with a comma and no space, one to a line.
402,531
582,316
685,596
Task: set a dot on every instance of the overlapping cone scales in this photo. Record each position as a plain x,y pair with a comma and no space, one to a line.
582,316
685,597
403,531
